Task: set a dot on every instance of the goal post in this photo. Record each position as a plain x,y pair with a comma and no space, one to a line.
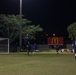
4,46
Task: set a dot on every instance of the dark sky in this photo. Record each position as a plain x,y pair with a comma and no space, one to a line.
53,15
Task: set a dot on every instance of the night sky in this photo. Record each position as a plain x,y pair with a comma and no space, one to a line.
53,15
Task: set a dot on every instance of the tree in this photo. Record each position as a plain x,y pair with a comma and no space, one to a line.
9,27
3,26
31,30
72,30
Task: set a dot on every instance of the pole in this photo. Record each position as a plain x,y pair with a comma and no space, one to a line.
20,24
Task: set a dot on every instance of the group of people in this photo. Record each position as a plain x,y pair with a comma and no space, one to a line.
28,46
74,47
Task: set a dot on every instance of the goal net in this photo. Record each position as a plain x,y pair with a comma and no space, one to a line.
4,46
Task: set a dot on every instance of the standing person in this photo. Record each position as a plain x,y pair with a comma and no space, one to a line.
28,48
25,43
74,46
57,48
35,47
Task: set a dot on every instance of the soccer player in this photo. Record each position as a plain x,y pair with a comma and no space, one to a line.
74,46
57,48
28,47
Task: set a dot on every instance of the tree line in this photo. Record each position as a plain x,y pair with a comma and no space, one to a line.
9,27
72,31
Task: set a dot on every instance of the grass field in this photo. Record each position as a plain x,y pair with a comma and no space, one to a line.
39,63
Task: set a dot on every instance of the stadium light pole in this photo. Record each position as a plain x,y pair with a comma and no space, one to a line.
20,24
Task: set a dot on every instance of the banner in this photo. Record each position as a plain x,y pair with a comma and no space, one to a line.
55,40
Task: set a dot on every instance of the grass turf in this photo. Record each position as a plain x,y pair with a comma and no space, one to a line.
39,63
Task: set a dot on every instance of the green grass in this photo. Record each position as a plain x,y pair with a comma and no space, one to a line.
39,63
